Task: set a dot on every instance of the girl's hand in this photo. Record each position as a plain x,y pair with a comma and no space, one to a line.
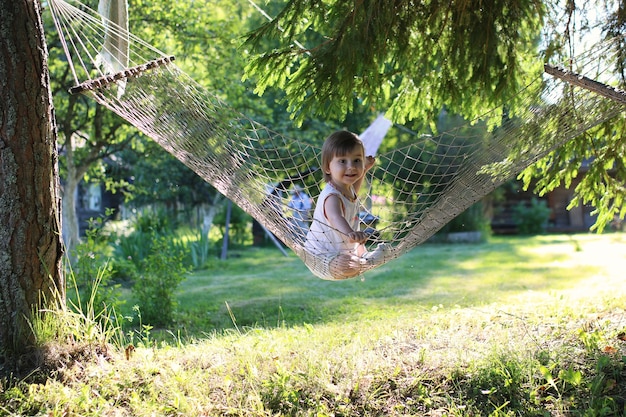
369,162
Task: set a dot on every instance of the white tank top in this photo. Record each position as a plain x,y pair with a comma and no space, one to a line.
322,238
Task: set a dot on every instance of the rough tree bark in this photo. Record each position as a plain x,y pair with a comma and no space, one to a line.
30,229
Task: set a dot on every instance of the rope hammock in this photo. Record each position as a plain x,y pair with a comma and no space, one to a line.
413,190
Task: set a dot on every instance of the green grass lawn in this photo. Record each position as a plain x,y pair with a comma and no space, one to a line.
262,288
517,326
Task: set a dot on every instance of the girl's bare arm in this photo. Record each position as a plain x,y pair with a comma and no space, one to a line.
333,209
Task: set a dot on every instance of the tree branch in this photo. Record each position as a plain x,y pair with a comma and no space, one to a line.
587,83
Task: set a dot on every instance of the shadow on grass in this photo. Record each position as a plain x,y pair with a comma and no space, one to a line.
262,288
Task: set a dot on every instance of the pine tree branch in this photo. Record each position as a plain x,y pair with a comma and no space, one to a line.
586,83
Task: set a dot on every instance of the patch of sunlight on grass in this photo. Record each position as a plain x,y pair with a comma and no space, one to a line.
264,288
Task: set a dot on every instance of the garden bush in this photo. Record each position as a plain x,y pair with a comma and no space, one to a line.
160,275
531,219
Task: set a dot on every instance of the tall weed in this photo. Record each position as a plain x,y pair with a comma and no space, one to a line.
200,250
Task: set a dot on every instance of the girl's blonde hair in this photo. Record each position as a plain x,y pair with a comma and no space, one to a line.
338,143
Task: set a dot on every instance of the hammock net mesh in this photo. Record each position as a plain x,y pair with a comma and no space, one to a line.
413,190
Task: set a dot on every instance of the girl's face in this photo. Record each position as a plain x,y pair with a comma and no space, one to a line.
347,169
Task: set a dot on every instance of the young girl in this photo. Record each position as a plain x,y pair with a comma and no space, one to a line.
334,233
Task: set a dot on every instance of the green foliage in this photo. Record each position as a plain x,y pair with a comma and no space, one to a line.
200,250
594,164
129,252
92,272
131,249
239,223
161,180
556,384
584,385
606,371
86,325
154,221
531,219
141,334
412,57
155,262
499,384
207,43
472,219
155,286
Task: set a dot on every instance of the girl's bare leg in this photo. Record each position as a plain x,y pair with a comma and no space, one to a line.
347,266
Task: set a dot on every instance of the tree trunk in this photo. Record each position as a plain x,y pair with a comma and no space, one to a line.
30,230
66,128
71,226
